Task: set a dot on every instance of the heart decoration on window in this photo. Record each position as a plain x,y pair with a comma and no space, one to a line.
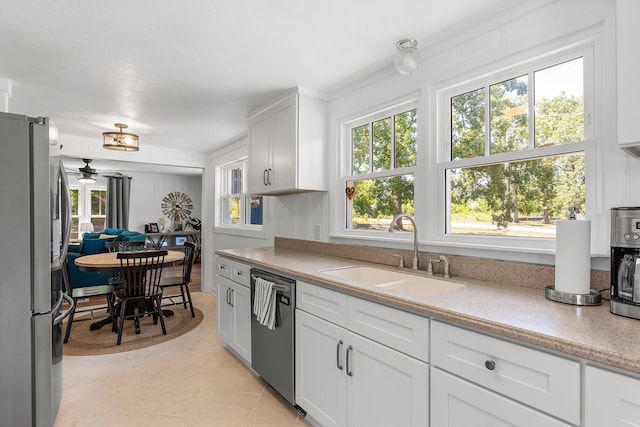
351,191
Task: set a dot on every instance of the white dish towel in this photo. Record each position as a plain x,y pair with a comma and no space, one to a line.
264,302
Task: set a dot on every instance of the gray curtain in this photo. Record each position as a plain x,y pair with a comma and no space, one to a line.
118,195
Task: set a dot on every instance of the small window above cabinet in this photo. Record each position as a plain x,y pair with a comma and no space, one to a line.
287,146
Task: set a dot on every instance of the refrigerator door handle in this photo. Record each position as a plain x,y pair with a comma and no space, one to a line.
59,318
66,213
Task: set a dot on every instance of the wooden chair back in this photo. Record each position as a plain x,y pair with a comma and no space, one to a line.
189,255
140,272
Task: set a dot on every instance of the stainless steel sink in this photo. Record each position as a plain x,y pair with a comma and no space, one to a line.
398,281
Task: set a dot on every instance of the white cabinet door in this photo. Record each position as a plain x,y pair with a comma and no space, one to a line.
611,399
320,369
286,153
385,387
242,321
458,403
225,310
284,166
259,152
628,62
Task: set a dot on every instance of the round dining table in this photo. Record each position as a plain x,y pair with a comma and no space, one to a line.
108,262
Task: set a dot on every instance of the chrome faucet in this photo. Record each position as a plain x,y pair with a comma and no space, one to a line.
415,236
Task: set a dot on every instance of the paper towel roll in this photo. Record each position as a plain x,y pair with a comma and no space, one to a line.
573,256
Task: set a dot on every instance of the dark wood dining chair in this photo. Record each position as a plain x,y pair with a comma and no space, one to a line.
85,292
120,246
140,292
184,280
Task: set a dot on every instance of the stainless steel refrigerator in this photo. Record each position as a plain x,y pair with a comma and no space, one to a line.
34,235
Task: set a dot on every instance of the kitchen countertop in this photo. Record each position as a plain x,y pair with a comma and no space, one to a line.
520,313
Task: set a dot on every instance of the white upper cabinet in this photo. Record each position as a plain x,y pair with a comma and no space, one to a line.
287,146
628,63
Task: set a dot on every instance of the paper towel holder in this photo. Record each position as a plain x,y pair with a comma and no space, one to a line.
592,298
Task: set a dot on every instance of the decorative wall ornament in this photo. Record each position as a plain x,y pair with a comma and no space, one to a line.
177,206
350,191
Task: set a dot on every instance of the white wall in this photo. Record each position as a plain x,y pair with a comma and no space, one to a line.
148,190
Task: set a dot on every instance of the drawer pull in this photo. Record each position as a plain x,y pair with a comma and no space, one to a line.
490,365
338,348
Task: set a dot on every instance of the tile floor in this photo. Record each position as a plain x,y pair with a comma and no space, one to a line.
190,381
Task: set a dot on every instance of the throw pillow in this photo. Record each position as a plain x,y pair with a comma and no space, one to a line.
95,246
85,237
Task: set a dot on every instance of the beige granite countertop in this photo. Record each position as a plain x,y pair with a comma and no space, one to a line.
516,312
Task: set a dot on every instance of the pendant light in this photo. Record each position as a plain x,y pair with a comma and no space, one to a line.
120,141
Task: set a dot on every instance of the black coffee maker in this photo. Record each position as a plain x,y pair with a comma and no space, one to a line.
625,261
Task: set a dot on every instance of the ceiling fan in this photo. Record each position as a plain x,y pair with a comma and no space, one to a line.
87,175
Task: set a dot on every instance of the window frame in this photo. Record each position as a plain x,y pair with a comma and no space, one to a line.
345,171
84,202
437,229
222,179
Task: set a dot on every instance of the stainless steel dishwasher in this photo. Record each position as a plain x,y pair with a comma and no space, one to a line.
273,350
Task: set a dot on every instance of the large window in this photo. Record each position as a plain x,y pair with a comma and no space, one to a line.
516,151
379,182
98,199
88,205
238,208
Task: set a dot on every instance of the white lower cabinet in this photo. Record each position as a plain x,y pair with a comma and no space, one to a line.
349,370
459,403
320,376
384,387
234,310
537,379
611,399
345,379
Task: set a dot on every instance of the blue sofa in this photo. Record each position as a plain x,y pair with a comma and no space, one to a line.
93,243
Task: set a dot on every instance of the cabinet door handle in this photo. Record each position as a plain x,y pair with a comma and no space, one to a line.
269,177
228,299
349,371
490,365
231,297
338,351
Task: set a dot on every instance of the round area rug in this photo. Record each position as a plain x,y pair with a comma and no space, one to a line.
84,342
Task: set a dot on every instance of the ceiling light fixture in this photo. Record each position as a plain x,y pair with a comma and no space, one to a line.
405,61
120,141
86,179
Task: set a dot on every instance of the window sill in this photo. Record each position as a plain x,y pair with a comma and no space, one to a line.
256,233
